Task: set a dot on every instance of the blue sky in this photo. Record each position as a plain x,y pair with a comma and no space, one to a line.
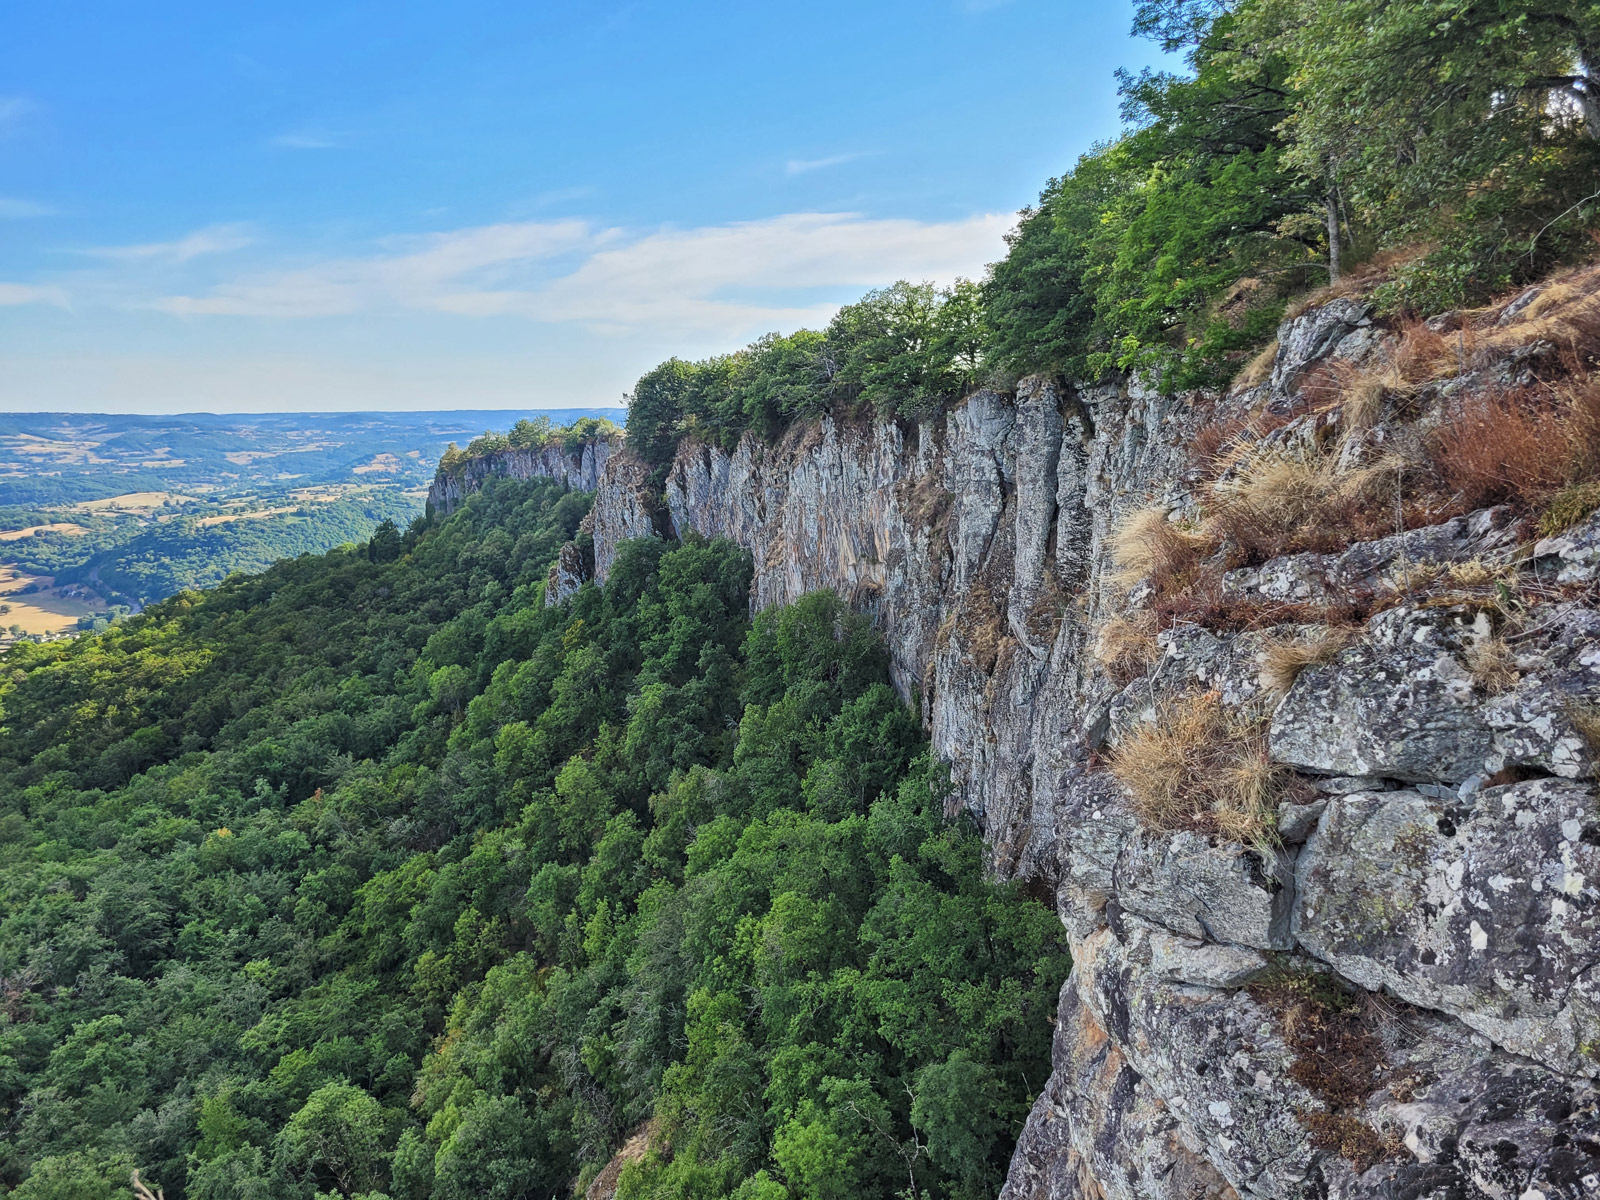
324,205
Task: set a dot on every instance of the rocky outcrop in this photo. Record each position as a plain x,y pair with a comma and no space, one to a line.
580,469
1391,994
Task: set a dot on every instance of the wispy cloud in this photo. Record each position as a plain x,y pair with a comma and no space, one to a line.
305,139
721,281
14,209
13,110
800,166
214,239
15,294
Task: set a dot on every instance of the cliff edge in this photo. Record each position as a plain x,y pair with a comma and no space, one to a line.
1290,697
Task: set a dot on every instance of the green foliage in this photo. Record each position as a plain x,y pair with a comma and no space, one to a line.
905,351
372,876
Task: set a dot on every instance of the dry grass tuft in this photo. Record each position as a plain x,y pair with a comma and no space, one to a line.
1566,315
1493,665
1126,645
1572,504
1259,369
1146,545
1197,767
1421,354
1519,445
1282,661
1275,505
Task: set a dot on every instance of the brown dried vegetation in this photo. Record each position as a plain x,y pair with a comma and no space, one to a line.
1198,767
1337,1058
1126,645
1282,661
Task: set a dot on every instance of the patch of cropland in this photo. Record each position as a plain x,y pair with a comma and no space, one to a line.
127,510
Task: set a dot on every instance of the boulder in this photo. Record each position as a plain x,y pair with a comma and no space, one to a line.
1573,556
1487,909
1400,704
1215,891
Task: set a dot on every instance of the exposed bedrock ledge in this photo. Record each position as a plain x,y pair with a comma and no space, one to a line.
579,469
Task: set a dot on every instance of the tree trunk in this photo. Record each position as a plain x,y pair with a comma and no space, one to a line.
1333,238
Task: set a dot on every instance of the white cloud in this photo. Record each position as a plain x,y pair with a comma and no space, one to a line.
14,209
13,294
12,111
800,166
305,140
214,239
718,281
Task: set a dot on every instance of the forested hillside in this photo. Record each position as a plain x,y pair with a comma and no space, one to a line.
373,875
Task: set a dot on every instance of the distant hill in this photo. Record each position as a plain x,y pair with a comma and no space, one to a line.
99,511
67,458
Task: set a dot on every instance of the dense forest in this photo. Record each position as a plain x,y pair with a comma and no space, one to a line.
186,552
1443,150
373,875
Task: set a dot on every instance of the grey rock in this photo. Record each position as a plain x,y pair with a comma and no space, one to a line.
1296,821
621,512
1400,704
1204,964
1343,785
1219,892
580,470
1369,568
1313,336
1575,553
1488,910
1466,1120
567,574
1537,723
1132,1150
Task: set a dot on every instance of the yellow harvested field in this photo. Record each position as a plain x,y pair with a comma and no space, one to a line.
131,502
45,611
385,464
66,527
244,516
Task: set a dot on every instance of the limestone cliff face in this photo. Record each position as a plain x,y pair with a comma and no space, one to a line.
1397,993
580,470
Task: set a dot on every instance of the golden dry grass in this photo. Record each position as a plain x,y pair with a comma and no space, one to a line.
1276,504
1147,545
1282,661
1126,645
44,611
1197,767
1258,369
1493,665
66,527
